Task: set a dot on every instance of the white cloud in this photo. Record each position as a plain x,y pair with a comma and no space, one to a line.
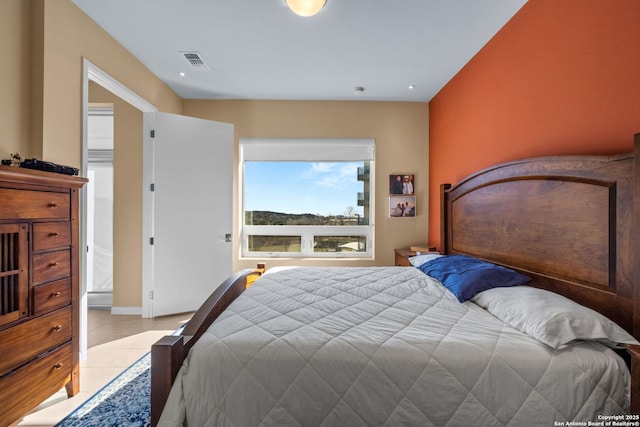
332,175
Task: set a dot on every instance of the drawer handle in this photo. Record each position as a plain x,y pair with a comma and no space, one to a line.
58,365
57,328
53,264
54,234
55,294
53,205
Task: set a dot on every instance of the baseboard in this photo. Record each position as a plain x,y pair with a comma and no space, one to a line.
127,310
100,300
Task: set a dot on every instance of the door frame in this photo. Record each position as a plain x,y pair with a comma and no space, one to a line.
91,72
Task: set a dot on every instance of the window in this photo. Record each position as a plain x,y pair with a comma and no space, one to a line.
307,197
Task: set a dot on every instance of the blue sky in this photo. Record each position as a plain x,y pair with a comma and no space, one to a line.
302,187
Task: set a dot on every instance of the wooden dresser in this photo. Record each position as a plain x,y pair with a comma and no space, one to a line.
39,288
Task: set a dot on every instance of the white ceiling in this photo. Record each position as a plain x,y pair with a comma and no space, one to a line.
258,49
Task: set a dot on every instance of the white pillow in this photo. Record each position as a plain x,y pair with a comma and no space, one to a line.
418,260
551,318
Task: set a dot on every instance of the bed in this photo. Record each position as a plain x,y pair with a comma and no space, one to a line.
393,346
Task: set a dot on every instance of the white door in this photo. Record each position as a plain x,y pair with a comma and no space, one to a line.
192,211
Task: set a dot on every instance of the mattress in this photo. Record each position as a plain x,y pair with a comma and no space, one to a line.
382,346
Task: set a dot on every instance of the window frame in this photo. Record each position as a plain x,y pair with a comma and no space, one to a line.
308,150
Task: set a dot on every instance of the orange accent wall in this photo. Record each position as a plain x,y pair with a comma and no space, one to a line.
561,77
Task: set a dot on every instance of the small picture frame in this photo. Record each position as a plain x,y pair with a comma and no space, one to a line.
402,206
403,183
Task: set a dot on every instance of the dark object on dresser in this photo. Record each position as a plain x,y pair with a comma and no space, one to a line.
48,167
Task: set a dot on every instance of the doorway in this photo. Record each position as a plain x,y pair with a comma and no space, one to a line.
100,208
202,169
95,77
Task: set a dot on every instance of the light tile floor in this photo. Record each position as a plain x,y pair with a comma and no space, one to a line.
114,343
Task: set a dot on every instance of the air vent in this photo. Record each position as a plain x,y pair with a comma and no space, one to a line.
195,60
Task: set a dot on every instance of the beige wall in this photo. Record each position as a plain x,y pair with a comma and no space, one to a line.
15,30
69,35
127,203
400,130
44,42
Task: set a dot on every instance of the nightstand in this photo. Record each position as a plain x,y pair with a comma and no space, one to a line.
402,257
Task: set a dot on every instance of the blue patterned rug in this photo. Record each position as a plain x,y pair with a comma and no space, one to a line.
125,401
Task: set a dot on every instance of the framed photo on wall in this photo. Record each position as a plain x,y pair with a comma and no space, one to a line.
403,183
402,206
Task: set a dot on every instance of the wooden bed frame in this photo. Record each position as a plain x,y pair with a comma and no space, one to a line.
572,223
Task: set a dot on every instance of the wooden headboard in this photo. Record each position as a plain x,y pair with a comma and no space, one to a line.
572,223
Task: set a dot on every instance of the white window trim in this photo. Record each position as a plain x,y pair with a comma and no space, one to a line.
307,234
308,149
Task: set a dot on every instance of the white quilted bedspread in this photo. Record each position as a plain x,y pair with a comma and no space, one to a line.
385,346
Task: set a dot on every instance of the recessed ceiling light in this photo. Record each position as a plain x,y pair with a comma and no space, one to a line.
181,74
358,89
412,87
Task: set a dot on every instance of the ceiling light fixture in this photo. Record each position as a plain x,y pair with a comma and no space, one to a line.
305,7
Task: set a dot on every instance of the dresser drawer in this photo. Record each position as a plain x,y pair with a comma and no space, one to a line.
51,235
51,296
34,204
32,338
51,266
24,389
